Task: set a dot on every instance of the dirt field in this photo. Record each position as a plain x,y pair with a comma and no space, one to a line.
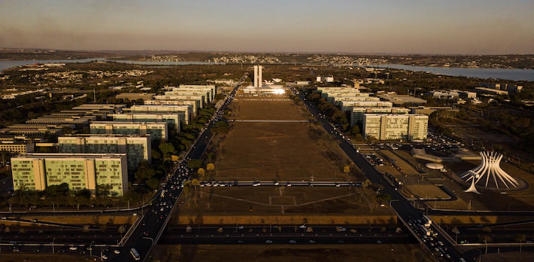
277,151
405,167
427,191
281,205
78,220
42,258
509,256
289,253
267,108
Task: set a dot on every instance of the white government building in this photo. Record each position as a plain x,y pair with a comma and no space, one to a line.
395,126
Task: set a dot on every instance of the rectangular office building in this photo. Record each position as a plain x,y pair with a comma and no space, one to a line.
16,147
203,93
172,119
80,171
183,110
156,130
395,127
357,113
211,88
347,106
137,148
198,99
194,104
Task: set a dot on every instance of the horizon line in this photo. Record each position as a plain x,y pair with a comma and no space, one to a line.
273,52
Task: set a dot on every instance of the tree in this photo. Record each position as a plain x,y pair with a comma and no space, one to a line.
84,193
144,172
366,183
121,229
346,169
155,155
60,190
152,183
167,149
355,130
201,172
195,163
210,167
103,190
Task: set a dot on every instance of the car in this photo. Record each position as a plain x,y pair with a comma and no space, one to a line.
116,251
73,248
292,242
268,241
340,229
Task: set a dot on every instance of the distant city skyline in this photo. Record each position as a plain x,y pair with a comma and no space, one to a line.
367,27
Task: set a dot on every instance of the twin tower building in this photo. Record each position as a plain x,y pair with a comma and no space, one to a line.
258,76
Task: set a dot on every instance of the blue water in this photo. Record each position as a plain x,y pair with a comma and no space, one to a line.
496,73
5,64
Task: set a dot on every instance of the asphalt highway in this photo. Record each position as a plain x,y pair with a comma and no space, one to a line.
280,183
141,239
406,212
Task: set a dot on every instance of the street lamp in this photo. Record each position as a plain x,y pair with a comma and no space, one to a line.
149,238
91,248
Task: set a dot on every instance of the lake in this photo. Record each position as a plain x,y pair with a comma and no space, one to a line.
5,64
485,73
497,73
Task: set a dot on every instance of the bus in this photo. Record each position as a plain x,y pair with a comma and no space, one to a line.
135,254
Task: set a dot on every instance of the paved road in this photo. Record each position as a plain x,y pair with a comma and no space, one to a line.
281,183
213,234
269,121
410,216
142,238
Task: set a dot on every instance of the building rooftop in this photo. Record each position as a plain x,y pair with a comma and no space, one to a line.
401,99
72,155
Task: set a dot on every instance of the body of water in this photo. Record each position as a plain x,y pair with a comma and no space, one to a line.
163,63
486,73
5,64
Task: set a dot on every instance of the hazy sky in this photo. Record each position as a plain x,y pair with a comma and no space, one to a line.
389,26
